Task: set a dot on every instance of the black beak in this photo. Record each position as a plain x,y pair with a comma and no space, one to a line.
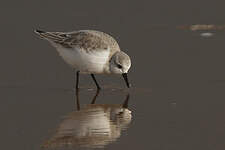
126,79
39,31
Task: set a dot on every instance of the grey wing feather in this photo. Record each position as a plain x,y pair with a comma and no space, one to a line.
86,39
56,37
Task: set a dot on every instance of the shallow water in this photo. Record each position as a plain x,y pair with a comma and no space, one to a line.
92,126
177,98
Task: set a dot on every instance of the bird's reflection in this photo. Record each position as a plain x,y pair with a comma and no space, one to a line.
93,126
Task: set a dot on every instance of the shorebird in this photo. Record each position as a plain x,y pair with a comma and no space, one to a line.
89,52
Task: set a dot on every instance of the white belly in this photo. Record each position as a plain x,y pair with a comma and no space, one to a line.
92,62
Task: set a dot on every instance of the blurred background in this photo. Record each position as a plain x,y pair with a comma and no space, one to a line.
178,75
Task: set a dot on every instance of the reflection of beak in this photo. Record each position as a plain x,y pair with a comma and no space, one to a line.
126,79
125,103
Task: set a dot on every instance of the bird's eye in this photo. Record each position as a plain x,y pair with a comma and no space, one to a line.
119,66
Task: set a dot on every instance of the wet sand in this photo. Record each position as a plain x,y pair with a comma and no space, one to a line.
178,76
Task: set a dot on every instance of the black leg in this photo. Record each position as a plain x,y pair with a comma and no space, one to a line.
77,80
93,77
77,99
96,95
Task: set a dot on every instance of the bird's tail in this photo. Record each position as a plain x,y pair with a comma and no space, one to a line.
57,37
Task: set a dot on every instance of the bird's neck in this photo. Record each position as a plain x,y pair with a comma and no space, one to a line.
107,68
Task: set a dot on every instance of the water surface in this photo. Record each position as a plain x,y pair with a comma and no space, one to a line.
178,77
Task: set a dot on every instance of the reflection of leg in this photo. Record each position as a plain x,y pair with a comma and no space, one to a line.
96,83
77,80
77,99
96,95
125,103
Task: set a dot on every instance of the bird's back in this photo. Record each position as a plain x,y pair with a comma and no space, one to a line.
91,40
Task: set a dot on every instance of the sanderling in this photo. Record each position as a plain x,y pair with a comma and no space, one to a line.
89,52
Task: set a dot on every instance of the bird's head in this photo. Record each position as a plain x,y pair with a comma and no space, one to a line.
120,63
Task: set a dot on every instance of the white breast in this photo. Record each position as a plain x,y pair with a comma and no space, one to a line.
91,62
86,124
